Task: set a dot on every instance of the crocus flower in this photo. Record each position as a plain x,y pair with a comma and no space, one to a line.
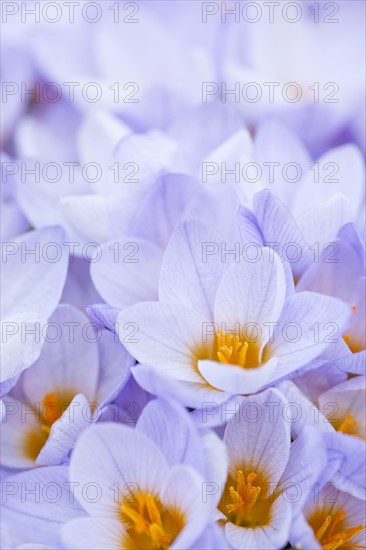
65,391
268,476
209,331
150,505
143,499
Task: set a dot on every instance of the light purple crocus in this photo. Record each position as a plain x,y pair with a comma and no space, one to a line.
149,490
66,390
209,332
269,476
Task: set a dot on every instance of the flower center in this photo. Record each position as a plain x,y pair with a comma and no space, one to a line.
245,494
329,539
231,350
149,524
241,502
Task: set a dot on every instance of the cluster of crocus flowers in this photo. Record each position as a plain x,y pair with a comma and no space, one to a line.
183,258
234,332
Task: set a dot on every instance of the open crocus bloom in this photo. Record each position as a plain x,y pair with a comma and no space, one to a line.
227,327
141,498
334,520
264,467
144,503
62,393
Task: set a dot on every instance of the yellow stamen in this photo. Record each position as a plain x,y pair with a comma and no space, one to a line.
147,517
230,349
334,541
348,424
245,494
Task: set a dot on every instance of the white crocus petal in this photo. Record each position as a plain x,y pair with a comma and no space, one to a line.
215,414
216,465
275,143
119,461
192,266
335,166
236,149
190,394
168,337
33,281
22,340
152,153
302,535
128,271
98,136
353,363
114,368
80,210
235,379
266,537
252,293
308,458
212,537
90,533
320,223
182,491
310,324
209,207
164,421
39,513
203,129
69,359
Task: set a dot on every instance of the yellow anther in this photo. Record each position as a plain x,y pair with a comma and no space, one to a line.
331,540
230,349
147,517
245,494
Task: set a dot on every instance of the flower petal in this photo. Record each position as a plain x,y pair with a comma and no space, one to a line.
251,293
91,533
234,379
191,272
119,461
128,271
